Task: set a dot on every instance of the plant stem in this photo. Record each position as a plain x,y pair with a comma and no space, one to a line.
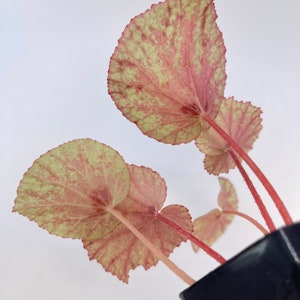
248,218
156,251
262,178
254,192
192,238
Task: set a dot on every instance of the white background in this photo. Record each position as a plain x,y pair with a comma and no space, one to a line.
53,66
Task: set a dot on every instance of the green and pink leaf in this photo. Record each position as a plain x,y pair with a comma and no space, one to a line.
146,196
67,190
242,121
168,68
209,227
83,189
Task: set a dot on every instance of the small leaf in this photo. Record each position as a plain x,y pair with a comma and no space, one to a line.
227,198
242,121
147,190
121,251
168,68
66,190
212,225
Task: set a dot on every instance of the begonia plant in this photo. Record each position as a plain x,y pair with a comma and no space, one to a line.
166,75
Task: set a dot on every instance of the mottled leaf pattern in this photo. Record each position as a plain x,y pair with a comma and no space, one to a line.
146,196
166,74
227,198
74,190
67,189
242,121
212,225
168,68
147,190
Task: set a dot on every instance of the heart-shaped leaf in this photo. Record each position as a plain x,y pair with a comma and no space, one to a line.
67,190
168,68
242,121
209,227
121,251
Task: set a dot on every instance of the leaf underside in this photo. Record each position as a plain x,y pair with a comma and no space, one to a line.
209,227
72,191
66,190
140,209
168,68
242,121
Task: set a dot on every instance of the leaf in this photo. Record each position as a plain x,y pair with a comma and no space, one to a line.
121,251
82,190
146,197
242,121
212,225
67,190
168,68
147,190
227,198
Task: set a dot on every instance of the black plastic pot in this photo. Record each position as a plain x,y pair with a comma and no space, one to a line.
267,270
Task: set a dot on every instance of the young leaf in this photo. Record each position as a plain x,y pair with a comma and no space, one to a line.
121,251
147,191
146,197
67,190
168,68
212,225
242,121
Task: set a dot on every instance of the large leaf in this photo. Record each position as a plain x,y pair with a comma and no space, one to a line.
242,121
168,68
121,251
209,227
85,190
67,190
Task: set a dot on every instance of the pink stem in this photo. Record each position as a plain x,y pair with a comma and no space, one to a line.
193,239
265,182
254,192
153,248
248,218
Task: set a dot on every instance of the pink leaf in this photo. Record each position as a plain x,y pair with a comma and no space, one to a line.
78,190
212,225
121,251
242,121
67,190
227,198
147,190
168,68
